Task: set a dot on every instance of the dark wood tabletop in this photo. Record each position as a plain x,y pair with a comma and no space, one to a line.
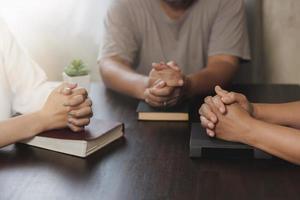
152,162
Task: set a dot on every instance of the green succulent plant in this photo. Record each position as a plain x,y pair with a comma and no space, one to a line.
76,68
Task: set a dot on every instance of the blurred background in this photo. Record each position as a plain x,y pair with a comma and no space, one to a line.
55,32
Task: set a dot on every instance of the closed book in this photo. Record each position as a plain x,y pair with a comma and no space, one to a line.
176,113
96,135
201,145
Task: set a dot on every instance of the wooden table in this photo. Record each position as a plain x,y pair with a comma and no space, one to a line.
152,162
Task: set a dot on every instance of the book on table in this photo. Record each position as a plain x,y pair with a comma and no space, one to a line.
95,136
201,145
176,113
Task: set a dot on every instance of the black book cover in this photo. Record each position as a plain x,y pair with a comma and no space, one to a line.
201,145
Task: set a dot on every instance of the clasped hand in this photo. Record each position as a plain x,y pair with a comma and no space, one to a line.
67,106
227,115
166,85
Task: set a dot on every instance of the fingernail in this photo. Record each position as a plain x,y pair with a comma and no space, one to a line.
162,83
67,90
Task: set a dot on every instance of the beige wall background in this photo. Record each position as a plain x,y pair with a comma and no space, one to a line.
55,32
281,40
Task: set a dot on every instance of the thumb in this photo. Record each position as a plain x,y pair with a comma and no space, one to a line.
160,84
225,95
220,91
67,88
159,66
173,66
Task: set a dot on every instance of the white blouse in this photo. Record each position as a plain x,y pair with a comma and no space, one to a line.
23,84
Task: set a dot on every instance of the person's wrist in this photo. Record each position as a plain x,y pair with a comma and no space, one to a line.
44,121
246,134
145,84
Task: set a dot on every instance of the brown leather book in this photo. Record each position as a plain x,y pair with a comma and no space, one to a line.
96,135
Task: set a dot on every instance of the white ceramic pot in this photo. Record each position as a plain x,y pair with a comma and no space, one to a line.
82,81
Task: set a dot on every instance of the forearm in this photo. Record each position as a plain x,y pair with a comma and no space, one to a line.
280,141
204,81
118,75
21,127
287,114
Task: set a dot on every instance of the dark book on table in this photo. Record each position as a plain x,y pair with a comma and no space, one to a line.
201,145
96,135
176,113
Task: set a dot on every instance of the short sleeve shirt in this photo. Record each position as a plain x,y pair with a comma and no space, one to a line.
140,32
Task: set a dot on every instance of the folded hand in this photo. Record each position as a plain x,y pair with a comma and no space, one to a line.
223,98
232,126
222,113
68,106
166,85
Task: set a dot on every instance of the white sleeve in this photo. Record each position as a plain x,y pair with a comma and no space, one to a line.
27,80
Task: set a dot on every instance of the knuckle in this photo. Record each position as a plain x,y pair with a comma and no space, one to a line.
89,110
75,122
201,109
205,108
82,98
82,91
215,99
204,124
85,122
85,92
207,99
232,95
243,97
90,103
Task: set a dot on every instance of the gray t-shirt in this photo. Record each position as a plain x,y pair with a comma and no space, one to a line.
141,32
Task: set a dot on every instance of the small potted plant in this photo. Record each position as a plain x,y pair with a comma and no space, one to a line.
77,72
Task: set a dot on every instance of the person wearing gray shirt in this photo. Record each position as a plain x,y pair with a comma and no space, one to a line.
163,51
